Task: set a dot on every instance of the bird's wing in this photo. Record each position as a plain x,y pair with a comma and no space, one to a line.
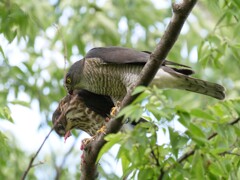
121,55
118,55
98,103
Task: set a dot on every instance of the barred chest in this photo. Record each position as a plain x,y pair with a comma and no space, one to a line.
109,79
81,117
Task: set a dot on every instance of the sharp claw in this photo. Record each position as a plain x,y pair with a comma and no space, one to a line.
85,142
102,130
114,110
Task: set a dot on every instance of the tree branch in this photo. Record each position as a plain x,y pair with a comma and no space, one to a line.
30,165
180,13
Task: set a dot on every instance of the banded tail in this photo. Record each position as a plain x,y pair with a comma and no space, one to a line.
168,77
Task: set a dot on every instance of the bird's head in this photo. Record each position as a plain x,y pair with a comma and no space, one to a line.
59,118
59,122
72,79
66,116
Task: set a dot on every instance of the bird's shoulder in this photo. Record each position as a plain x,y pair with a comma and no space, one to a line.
118,55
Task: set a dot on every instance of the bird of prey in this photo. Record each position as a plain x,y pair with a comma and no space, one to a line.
84,111
111,71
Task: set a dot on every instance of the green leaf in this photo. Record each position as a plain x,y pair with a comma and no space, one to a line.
197,135
5,113
112,140
217,170
2,52
139,89
125,164
174,137
134,112
197,165
22,103
201,114
146,173
184,118
140,98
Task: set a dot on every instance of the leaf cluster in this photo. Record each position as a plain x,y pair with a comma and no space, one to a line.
213,143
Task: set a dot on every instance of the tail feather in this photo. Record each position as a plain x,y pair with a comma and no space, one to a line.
202,87
170,78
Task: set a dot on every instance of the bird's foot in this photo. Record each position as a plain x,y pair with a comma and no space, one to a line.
102,130
85,142
115,109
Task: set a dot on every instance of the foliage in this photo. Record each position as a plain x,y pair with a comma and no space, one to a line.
143,156
36,37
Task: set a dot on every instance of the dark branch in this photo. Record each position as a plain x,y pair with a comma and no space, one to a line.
180,13
229,153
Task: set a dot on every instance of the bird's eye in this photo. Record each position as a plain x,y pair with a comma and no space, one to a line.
68,80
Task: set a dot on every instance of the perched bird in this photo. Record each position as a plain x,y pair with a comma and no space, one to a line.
84,110
112,70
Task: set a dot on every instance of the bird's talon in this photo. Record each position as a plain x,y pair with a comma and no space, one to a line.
102,130
115,109
85,142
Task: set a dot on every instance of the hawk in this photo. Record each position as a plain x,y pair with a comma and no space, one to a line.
111,71
85,111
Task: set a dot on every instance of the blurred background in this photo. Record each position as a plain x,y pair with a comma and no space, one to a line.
39,40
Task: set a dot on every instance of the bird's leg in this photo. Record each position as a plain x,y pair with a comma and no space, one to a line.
86,141
113,112
102,130
115,109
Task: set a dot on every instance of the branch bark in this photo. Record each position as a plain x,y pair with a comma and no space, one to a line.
180,14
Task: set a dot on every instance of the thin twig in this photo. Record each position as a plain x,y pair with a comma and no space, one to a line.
229,153
30,165
37,164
